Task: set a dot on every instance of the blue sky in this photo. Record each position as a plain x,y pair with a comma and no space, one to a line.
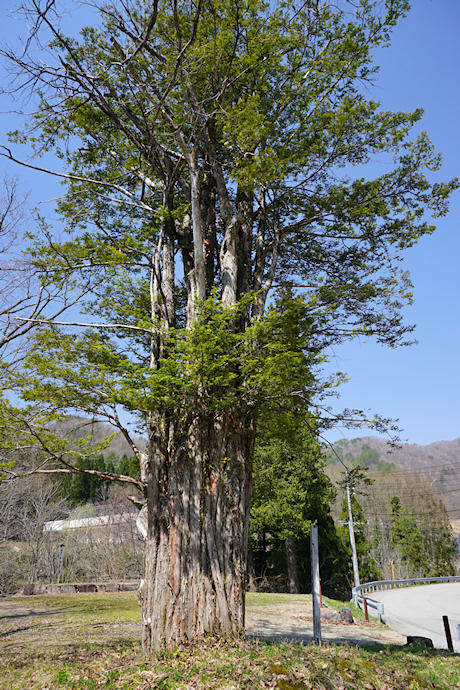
419,385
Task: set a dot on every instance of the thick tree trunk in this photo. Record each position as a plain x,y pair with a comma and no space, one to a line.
198,516
291,561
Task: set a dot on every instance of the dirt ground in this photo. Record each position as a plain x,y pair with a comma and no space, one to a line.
31,622
289,621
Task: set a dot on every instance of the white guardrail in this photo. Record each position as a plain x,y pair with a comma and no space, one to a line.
360,593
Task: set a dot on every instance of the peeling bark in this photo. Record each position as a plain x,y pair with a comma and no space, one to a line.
198,517
259,262
199,276
168,268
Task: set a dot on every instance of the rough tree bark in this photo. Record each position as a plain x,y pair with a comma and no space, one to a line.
198,497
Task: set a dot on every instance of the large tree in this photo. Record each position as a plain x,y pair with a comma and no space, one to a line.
212,150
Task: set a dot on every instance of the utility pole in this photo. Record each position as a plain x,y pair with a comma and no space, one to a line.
351,530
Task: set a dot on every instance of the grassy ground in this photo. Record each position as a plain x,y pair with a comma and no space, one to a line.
92,641
255,600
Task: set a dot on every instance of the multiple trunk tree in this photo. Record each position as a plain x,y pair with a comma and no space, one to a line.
208,153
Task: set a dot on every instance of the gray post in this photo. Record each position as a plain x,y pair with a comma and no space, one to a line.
315,584
351,530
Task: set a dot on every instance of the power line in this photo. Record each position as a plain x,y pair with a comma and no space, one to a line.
438,512
415,470
409,493
424,468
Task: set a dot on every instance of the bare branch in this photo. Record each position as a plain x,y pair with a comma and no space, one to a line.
71,469
89,325
148,31
76,178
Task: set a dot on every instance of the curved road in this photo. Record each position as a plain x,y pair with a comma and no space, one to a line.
419,611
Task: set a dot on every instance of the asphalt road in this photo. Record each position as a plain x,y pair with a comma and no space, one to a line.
419,611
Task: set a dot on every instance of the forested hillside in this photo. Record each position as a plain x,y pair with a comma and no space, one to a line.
437,463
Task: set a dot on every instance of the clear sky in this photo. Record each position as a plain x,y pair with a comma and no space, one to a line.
419,385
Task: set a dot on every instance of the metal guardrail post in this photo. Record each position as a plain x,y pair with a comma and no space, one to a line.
366,612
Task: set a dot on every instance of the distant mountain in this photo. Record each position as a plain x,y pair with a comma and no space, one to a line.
438,463
77,427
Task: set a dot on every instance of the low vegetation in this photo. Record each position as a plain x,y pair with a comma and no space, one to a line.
241,665
92,641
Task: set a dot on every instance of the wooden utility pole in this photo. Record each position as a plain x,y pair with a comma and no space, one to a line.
351,530
315,584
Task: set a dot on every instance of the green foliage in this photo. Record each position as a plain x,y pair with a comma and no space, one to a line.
368,569
439,542
84,488
283,354
4,466
282,95
128,465
208,366
288,113
290,488
423,540
423,517
291,492
408,540
10,436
